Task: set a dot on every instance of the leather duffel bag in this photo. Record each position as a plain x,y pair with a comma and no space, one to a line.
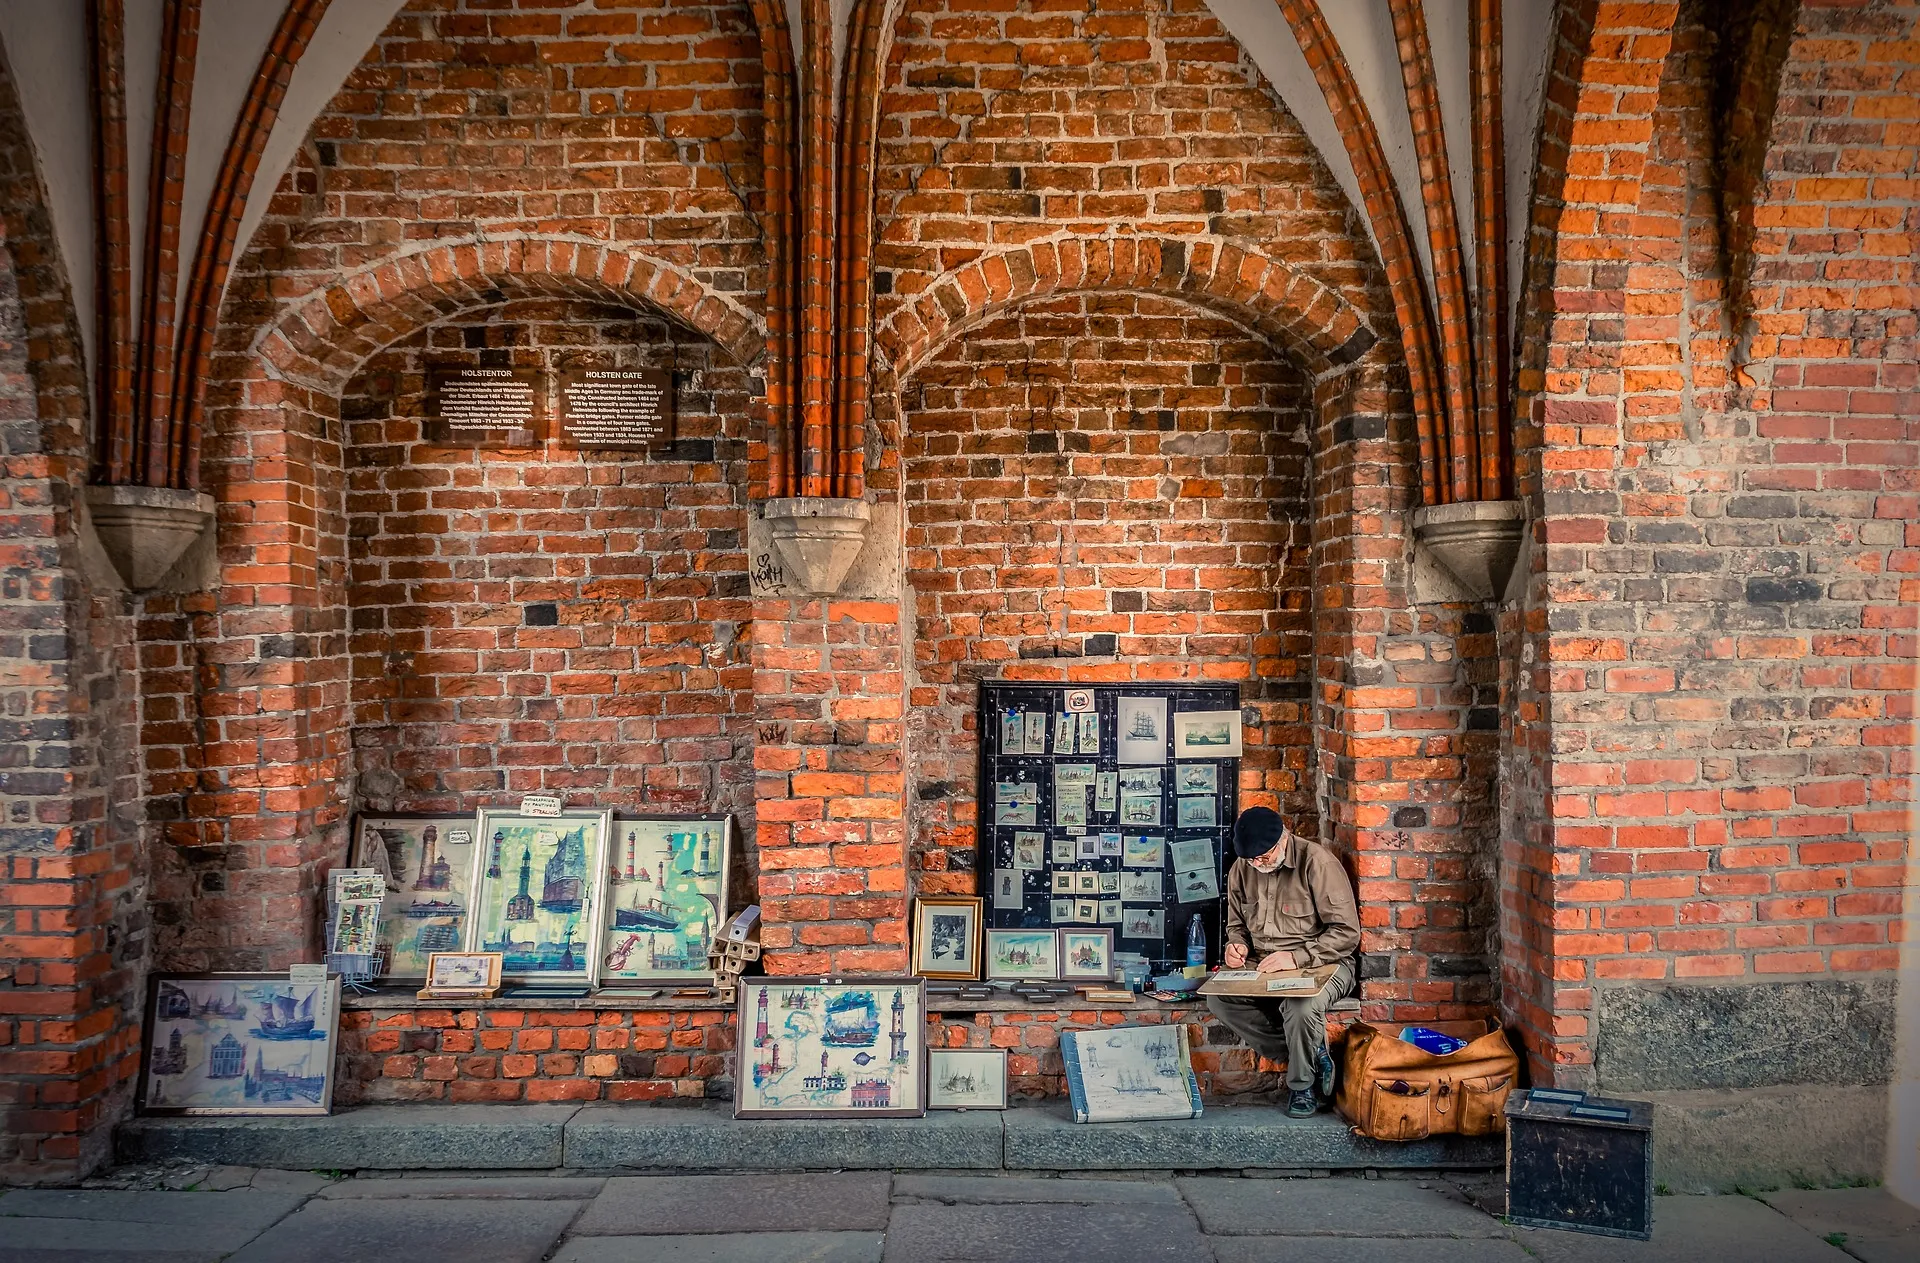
1393,1090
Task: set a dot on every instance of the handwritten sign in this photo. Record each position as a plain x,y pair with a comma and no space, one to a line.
540,805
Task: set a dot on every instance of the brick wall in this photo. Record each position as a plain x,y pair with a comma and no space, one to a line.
1105,487
73,915
1720,620
550,621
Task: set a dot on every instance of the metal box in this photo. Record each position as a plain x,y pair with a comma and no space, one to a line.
1580,1162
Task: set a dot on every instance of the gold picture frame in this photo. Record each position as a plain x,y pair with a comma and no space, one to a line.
942,949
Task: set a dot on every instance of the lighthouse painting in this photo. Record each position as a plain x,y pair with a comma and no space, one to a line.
537,902
666,897
425,911
854,1048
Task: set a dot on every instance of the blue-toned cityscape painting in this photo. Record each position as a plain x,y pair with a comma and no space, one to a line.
240,1045
535,902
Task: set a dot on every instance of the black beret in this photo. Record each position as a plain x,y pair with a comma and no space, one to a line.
1258,829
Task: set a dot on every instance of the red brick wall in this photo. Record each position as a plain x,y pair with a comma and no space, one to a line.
1721,626
1114,466
73,917
638,694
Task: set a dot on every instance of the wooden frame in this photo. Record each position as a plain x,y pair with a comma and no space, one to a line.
581,885
1068,971
434,982
995,937
429,911
789,1030
924,962
230,1027
943,1064
693,909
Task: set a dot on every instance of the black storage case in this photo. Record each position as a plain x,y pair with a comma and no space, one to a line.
1580,1162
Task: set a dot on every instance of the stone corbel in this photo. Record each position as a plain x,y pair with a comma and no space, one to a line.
817,538
1472,545
144,530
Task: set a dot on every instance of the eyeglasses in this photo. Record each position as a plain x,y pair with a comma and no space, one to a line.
1271,860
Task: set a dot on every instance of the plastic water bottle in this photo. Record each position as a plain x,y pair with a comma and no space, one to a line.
1196,945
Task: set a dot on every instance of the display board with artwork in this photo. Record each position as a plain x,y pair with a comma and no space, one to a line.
536,886
666,898
430,858
1108,807
238,1044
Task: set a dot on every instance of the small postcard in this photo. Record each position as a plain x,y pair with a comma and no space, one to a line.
1086,883
1198,778
1106,793
1109,846
1140,780
1206,734
1029,851
1036,732
1139,809
1061,911
1070,807
1086,911
1016,813
1065,774
1196,887
1062,883
1192,853
1065,727
1109,883
1143,851
1086,847
463,971
1007,891
1109,912
1198,812
1013,733
1016,792
1143,730
1062,850
358,884
1143,923
1089,733
1140,887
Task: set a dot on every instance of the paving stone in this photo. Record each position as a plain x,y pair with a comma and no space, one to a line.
1691,1230
226,1179
1364,1250
246,1211
330,1231
689,1204
91,1239
1339,1207
1025,1233
483,1186
302,1182
709,1138
1045,1138
754,1247
985,1190
377,1137
1879,1227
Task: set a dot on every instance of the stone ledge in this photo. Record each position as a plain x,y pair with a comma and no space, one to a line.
707,1137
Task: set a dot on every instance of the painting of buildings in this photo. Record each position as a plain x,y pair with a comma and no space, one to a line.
830,1049
239,1044
431,859
535,887
666,898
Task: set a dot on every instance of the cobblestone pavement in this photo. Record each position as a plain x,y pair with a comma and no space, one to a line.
248,1216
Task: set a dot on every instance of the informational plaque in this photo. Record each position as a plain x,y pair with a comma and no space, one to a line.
485,407
614,408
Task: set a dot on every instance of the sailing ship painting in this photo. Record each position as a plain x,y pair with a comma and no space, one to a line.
534,901
666,898
240,1044
425,911
831,1048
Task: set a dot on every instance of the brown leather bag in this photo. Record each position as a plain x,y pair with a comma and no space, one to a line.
1391,1090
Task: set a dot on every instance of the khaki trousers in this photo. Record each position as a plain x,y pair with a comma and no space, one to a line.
1290,1030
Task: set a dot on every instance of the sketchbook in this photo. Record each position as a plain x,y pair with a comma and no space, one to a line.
1130,1073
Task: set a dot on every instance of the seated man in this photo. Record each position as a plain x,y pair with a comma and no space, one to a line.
1289,906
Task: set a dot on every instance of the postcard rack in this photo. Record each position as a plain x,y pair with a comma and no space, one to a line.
1019,886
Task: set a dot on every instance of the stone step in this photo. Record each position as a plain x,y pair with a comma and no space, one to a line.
706,1137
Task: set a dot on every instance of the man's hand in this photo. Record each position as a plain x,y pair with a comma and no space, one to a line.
1278,962
1235,956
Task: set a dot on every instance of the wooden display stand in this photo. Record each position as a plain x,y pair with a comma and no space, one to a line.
737,947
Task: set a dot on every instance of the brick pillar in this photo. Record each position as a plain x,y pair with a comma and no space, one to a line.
829,785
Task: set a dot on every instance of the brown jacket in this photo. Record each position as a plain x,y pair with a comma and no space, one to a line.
1305,906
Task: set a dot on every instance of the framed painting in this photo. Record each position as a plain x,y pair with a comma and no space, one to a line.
946,936
463,971
1086,955
666,898
831,1048
967,1079
1207,734
1023,955
431,859
240,1043
537,883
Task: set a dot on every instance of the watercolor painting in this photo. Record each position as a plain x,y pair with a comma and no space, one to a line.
1207,734
1086,955
1143,851
239,1044
1197,778
431,859
1196,813
967,1079
1129,1072
666,897
832,1049
1143,923
1143,730
1022,955
536,881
